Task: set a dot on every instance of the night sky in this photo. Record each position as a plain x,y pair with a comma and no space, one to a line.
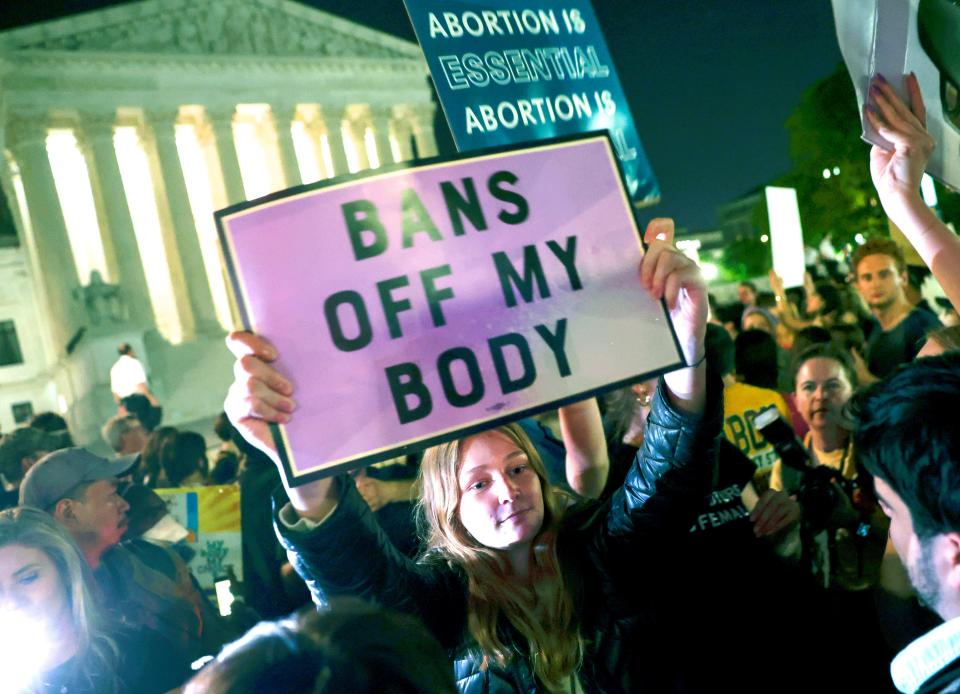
710,84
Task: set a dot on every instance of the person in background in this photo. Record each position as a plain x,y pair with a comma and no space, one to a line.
127,376
19,450
53,636
150,471
747,294
52,423
124,434
880,275
756,318
184,460
348,647
226,468
748,389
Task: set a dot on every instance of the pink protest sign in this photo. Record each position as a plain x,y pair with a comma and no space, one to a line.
416,305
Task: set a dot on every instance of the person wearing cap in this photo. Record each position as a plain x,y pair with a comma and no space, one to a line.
147,585
19,450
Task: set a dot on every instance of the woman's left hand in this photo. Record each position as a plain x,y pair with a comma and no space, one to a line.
670,275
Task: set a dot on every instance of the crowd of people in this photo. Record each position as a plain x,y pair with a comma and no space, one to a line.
782,514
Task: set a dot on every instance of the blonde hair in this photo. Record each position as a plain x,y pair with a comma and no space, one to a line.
30,527
541,610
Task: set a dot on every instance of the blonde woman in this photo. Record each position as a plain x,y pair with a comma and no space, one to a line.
526,593
51,633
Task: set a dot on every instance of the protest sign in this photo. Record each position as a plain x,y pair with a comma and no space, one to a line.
415,305
212,517
894,38
508,73
786,235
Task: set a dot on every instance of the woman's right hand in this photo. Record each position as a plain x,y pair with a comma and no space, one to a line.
259,395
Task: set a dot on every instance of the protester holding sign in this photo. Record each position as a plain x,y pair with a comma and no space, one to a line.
896,175
529,594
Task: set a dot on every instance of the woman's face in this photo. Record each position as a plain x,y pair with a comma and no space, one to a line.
30,584
501,502
822,390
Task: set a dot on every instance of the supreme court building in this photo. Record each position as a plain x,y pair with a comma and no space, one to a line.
122,131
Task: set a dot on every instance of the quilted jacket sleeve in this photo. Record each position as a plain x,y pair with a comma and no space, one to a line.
348,554
671,473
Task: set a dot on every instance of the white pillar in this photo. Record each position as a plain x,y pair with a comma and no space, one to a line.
97,130
423,130
26,138
380,118
403,132
357,127
221,123
187,243
283,117
333,121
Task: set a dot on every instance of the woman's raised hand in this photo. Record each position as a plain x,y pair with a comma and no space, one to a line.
670,275
259,395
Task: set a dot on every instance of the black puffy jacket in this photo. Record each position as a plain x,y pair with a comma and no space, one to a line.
609,553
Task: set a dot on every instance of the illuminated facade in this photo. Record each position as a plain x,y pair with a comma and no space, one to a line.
123,130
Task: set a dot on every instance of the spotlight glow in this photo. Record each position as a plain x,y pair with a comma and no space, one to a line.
25,647
710,271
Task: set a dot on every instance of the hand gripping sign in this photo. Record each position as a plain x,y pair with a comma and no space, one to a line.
413,306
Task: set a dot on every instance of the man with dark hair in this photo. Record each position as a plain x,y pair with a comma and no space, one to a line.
747,294
880,274
907,436
19,450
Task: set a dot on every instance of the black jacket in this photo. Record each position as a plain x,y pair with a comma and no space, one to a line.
609,553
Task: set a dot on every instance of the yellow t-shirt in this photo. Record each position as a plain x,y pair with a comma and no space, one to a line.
741,403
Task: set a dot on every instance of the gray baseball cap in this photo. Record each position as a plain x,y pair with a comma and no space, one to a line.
54,475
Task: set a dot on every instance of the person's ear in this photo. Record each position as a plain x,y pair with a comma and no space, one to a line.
65,513
949,552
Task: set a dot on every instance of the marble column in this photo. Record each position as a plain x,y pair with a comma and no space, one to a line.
403,132
357,127
283,117
333,121
380,118
221,123
97,136
26,139
188,260
423,130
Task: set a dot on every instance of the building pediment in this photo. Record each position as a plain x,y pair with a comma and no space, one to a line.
269,28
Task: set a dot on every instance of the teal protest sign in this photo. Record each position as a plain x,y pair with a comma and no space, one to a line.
508,73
